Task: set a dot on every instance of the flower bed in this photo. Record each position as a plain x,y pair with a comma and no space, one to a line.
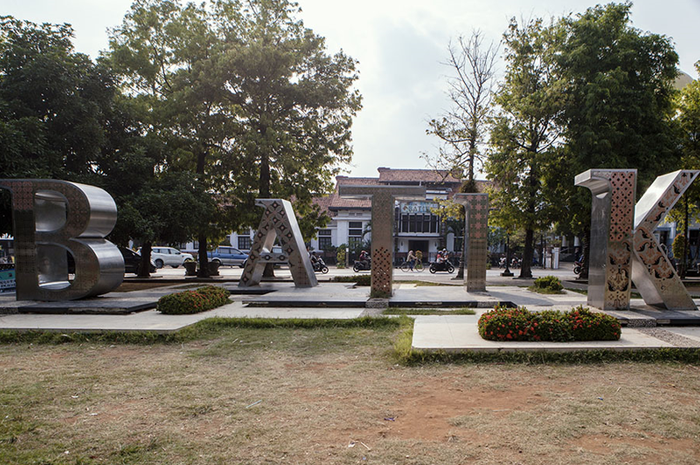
199,300
519,324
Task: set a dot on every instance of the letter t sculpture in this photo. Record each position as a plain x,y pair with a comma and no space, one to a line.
383,198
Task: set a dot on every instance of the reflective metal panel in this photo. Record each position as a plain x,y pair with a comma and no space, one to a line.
54,218
476,217
612,215
652,272
383,198
280,221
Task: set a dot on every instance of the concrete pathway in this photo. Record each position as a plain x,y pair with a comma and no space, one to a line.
152,320
452,333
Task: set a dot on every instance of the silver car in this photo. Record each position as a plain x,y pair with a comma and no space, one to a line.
169,256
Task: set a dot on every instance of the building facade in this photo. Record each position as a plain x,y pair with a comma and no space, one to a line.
418,224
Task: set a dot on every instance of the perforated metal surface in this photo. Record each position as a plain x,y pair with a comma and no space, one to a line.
476,207
612,217
652,272
383,198
278,221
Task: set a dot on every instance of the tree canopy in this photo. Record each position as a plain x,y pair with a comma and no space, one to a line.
525,133
242,95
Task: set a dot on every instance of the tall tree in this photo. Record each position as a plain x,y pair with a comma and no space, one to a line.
52,104
525,133
688,119
243,95
294,103
166,56
462,130
619,108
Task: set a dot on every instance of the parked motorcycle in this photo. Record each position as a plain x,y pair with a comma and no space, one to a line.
363,265
443,266
319,265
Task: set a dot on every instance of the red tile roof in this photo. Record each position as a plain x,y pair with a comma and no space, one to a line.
389,175
334,202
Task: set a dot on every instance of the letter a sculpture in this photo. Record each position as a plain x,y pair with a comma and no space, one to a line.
54,218
278,221
623,247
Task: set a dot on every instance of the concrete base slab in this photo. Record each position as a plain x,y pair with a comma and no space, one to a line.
154,321
325,295
459,333
640,314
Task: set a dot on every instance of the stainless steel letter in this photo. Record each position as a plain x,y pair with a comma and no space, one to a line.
652,272
53,218
612,215
278,219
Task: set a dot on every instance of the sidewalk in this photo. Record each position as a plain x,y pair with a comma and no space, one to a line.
451,333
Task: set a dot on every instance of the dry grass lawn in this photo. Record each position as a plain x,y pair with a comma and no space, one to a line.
333,396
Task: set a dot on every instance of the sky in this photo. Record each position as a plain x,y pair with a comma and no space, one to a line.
401,46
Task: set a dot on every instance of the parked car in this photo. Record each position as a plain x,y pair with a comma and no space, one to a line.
169,256
278,250
229,256
132,260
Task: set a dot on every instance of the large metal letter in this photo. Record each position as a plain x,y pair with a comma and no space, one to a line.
278,219
52,219
652,272
610,248
383,198
476,227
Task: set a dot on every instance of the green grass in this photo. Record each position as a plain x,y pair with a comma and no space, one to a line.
673,355
428,311
323,335
418,282
540,290
205,329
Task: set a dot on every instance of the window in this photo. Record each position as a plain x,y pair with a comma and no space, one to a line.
356,224
244,242
354,242
324,232
324,243
355,232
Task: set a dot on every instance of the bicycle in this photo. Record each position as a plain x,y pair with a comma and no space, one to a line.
406,266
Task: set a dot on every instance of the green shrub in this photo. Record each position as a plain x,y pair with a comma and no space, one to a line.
547,284
195,301
361,279
519,324
340,256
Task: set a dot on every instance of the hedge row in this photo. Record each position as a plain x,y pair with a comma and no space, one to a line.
199,300
519,324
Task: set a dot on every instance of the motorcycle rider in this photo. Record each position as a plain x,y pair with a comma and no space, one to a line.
364,259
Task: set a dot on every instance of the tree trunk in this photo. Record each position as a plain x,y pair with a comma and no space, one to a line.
144,270
586,241
202,258
526,264
264,189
